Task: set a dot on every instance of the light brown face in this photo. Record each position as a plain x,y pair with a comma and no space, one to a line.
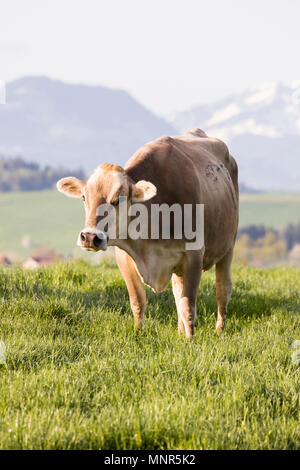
106,184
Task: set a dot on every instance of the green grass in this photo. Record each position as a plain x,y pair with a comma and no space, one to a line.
49,218
77,376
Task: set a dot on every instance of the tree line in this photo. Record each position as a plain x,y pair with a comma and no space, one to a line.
19,175
259,246
290,234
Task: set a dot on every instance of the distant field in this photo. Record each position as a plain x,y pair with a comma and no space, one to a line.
77,376
49,218
275,210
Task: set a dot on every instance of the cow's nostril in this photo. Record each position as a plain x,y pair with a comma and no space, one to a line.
82,237
97,241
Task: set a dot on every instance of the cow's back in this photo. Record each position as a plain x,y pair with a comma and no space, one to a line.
194,169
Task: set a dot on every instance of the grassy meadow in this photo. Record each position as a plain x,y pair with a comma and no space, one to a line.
49,218
77,376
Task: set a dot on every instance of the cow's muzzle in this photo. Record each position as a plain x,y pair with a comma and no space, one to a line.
92,241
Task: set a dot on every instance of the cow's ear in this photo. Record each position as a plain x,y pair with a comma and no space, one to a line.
143,191
71,186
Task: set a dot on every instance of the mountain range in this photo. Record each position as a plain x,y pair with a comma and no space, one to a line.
74,126
261,126
80,126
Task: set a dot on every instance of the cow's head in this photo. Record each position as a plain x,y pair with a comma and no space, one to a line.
105,186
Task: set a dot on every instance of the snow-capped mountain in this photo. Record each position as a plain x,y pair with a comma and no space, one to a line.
262,129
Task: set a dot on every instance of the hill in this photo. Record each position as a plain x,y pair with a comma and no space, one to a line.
261,127
74,126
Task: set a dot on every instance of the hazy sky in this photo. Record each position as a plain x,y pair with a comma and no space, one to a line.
169,54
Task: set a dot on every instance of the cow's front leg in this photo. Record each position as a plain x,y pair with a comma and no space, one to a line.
137,295
185,291
177,287
223,289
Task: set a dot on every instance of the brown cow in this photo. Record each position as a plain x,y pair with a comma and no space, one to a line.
188,169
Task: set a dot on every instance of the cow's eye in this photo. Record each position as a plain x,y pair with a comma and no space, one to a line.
83,197
116,202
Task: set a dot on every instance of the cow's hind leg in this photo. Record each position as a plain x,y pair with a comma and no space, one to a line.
185,291
223,288
137,295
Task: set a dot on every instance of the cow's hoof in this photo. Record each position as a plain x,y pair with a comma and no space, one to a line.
189,334
189,337
138,325
220,327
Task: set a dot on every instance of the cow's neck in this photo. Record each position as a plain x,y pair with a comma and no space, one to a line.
154,262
